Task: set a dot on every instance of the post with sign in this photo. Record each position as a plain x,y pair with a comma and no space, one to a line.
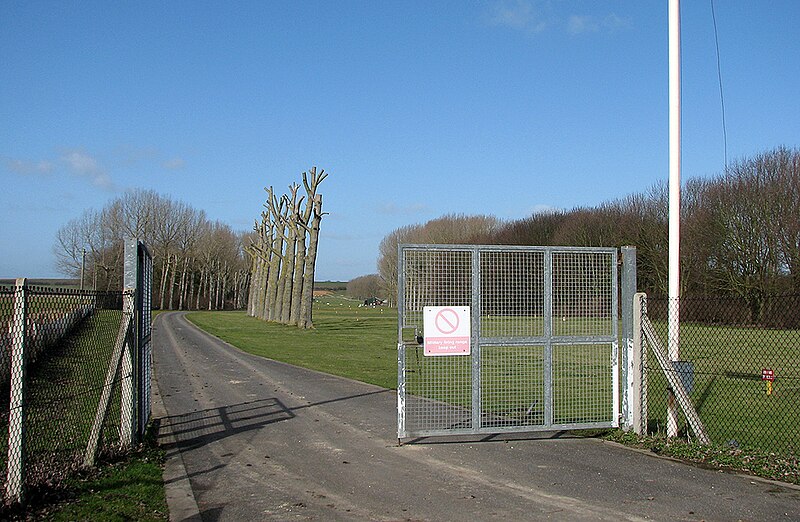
768,375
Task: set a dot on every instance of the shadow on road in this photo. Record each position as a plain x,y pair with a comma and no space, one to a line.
197,428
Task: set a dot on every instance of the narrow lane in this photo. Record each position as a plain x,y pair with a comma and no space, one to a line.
263,440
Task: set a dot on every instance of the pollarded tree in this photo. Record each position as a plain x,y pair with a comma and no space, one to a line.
311,183
283,254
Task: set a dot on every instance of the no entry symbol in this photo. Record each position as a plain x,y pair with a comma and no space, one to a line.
447,321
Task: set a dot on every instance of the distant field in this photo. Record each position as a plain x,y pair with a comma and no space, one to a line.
330,285
51,283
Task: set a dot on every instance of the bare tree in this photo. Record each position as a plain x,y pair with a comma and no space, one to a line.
366,286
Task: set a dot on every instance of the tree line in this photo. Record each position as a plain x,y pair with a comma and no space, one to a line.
283,253
197,263
740,231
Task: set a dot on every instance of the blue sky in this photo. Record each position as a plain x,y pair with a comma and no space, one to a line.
416,109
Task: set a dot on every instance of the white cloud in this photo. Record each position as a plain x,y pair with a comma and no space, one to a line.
407,210
523,15
545,209
615,22
582,24
83,165
174,164
28,167
577,24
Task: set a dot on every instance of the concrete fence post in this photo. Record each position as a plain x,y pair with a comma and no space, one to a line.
639,405
15,465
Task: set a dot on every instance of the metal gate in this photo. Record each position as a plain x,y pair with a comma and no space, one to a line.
542,339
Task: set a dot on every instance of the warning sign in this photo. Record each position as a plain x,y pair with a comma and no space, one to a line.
447,330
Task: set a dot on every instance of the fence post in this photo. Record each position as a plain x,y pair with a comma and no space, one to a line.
15,465
627,311
639,403
130,355
127,377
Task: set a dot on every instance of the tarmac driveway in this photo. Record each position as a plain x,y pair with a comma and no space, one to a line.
254,439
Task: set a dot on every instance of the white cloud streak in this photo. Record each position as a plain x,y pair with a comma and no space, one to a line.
578,24
28,168
85,166
174,164
522,15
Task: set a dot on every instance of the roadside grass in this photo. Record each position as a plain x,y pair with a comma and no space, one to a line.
754,461
130,488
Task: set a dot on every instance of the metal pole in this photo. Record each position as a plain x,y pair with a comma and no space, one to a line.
674,198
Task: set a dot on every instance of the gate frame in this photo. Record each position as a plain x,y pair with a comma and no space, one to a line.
621,360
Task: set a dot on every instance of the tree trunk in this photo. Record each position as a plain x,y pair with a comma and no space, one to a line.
164,275
297,288
172,283
287,276
306,320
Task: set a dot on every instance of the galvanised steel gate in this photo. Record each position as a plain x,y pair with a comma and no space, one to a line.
542,339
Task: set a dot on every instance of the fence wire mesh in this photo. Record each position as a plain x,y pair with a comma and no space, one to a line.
69,337
740,363
544,327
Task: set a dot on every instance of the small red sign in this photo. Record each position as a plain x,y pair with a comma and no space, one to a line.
767,375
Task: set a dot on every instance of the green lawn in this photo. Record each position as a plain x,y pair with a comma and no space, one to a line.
348,340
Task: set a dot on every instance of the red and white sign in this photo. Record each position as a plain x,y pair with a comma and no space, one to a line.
767,375
447,330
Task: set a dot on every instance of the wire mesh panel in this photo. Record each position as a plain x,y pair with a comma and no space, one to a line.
512,386
512,293
583,293
69,368
543,339
48,408
438,392
582,384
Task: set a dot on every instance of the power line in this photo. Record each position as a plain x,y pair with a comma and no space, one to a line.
721,96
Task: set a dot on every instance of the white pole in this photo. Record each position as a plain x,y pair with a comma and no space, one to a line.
674,198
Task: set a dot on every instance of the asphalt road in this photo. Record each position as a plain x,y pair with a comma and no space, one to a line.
254,439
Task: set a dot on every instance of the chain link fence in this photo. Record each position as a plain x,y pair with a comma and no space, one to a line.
739,363
56,350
